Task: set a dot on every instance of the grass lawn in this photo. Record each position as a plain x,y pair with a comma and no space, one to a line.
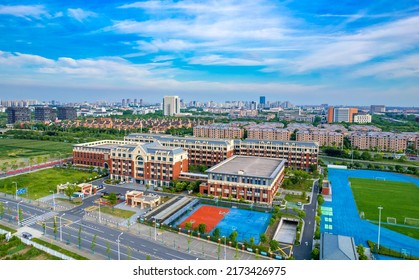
121,213
15,249
399,200
295,198
40,183
21,150
304,187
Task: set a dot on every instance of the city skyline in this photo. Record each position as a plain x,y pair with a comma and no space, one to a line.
312,53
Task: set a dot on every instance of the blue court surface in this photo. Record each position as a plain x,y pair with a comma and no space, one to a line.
247,224
340,216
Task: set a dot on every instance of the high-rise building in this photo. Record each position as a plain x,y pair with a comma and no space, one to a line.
141,102
66,113
378,109
253,105
171,105
18,114
45,114
341,114
262,101
124,104
128,102
135,102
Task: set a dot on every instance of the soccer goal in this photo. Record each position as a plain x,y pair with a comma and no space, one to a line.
411,222
380,178
391,220
362,215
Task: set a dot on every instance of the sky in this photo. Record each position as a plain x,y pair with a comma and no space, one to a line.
308,52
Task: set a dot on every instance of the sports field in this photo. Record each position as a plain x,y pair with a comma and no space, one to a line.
248,224
18,152
398,199
39,183
208,215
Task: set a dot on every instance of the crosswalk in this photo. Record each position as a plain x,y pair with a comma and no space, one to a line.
34,219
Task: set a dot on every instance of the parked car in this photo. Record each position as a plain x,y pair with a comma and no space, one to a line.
27,235
100,187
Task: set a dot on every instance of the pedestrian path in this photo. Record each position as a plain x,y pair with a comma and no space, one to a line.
34,219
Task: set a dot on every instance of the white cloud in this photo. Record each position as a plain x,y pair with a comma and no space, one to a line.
404,67
25,11
363,46
80,14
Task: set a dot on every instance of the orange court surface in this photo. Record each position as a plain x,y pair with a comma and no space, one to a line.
208,215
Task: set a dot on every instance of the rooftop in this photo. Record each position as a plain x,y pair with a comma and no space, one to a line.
249,166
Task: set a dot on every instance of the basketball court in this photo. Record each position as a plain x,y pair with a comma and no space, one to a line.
208,215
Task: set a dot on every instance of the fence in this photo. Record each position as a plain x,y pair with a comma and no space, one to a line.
46,249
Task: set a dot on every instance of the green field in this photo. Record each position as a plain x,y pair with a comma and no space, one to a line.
399,200
121,213
39,183
19,153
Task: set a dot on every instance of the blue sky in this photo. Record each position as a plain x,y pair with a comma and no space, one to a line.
308,52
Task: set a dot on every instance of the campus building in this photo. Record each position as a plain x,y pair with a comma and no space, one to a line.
268,133
254,179
210,152
146,163
205,151
298,155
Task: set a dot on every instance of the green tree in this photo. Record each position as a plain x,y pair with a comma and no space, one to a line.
366,156
252,241
216,233
1,210
71,188
44,227
129,252
202,228
263,238
188,225
315,254
93,245
112,198
55,227
274,245
108,249
79,237
233,236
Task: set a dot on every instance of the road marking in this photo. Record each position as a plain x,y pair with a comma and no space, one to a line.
173,256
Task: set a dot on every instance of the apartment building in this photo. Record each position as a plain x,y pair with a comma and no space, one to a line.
254,179
146,163
218,131
171,105
66,113
381,141
362,118
323,137
268,133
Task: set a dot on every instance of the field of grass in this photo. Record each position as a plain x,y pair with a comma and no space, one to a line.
121,213
399,200
40,183
15,151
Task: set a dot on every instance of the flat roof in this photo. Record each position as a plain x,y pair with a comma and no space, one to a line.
249,166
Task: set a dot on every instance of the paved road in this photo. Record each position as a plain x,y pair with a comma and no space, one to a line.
303,251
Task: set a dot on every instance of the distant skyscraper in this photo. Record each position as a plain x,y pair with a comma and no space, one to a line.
262,101
66,113
128,102
18,114
45,114
135,102
378,109
171,105
141,102
253,105
124,104
341,114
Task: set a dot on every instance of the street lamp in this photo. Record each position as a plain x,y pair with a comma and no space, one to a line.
379,226
17,214
16,190
61,228
53,200
119,254
225,247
